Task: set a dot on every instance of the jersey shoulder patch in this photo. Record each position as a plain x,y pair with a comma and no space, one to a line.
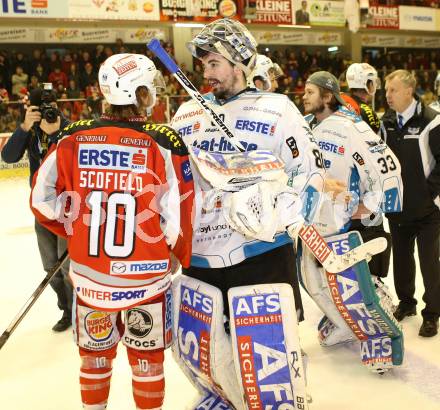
166,137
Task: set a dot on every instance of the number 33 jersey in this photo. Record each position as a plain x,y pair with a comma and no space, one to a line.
354,154
260,121
122,193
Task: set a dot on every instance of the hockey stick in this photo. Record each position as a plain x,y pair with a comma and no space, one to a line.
215,166
30,302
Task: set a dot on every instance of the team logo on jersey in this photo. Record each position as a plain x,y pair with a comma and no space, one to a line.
140,322
258,127
189,129
376,146
98,326
112,157
331,147
291,143
358,158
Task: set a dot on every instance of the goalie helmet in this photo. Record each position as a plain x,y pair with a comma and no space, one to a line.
363,76
121,75
230,39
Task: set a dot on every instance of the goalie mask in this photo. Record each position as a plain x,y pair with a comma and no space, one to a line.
230,39
363,76
122,74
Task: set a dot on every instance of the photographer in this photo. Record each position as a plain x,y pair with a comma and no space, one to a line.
38,131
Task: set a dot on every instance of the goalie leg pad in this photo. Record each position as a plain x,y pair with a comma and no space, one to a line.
202,348
334,330
354,293
266,347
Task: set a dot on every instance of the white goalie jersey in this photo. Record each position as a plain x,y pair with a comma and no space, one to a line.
354,154
259,120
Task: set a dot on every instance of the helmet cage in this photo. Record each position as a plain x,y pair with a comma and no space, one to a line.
230,39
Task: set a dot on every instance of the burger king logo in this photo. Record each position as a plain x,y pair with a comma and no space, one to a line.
227,8
98,326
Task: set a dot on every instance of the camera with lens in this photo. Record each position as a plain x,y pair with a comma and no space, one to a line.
44,98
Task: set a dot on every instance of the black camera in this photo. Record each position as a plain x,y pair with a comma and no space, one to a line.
44,98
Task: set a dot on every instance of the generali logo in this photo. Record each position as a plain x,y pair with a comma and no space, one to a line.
124,65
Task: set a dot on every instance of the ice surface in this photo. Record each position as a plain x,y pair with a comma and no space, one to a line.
39,368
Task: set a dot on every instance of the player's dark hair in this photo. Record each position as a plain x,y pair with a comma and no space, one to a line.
131,110
333,104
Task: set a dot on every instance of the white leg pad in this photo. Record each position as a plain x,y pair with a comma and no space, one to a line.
313,278
267,353
202,348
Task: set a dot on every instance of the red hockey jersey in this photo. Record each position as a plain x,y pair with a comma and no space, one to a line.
122,193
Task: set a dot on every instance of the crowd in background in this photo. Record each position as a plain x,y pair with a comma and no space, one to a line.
74,77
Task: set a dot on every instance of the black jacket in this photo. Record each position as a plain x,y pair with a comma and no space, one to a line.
417,146
35,142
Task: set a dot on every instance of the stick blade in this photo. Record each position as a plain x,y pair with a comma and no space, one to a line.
338,263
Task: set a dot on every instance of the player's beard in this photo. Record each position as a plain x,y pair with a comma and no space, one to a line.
315,109
225,88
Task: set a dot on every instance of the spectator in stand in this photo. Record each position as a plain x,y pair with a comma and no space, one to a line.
119,46
292,70
73,73
4,95
54,60
8,121
85,60
428,97
94,100
299,88
19,81
20,60
33,84
5,75
99,55
197,76
159,112
66,63
72,90
37,58
57,77
40,73
107,52
60,90
87,77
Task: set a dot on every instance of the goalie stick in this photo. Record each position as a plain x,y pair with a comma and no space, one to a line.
214,168
30,302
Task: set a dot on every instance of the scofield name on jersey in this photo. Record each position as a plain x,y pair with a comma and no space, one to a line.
112,157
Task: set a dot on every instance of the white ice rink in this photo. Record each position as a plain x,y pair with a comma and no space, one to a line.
39,368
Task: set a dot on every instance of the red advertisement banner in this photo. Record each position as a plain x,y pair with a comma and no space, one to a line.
383,17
